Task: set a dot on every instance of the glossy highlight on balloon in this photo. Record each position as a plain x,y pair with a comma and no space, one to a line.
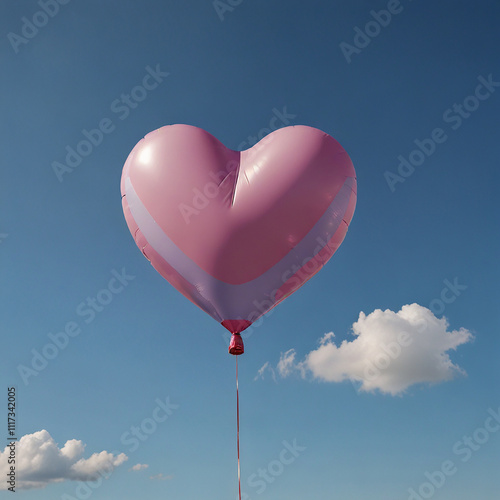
237,232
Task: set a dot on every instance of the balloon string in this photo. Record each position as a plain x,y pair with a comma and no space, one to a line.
238,428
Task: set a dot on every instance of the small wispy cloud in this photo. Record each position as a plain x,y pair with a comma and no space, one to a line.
138,467
161,477
391,351
286,364
265,367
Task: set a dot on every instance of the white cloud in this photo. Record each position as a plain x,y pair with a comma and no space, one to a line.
137,467
390,352
265,367
161,477
40,461
286,363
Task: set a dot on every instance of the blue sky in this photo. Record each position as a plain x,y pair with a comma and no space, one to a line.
64,238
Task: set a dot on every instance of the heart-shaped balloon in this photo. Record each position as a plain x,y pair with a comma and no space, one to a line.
237,232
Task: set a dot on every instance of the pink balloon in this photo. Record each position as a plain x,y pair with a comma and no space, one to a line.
237,232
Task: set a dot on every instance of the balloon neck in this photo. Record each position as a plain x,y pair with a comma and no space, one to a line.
236,346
